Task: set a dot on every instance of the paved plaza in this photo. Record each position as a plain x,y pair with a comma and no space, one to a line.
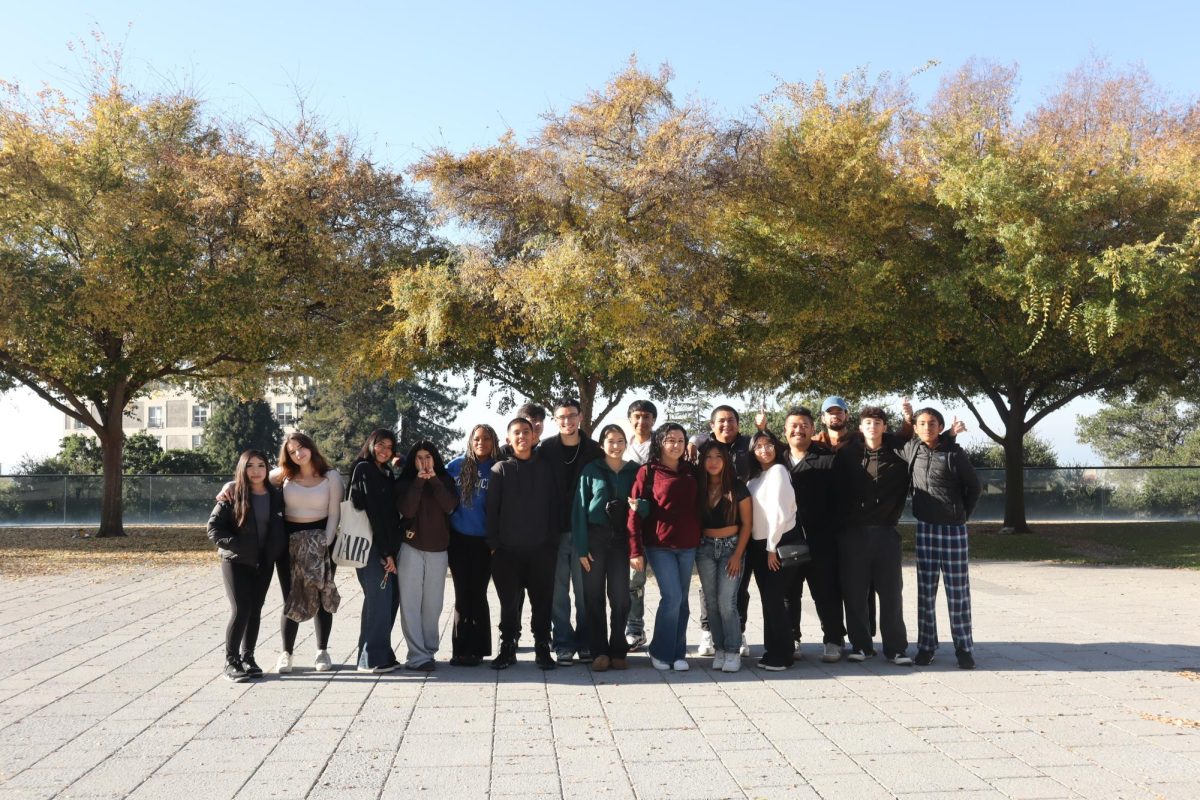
1089,686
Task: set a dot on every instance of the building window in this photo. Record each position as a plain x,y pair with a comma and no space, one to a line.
154,417
199,415
197,441
284,414
77,425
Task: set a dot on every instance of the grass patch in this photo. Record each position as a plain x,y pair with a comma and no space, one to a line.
49,551
1126,544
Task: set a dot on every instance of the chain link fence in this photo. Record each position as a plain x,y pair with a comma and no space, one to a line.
1058,494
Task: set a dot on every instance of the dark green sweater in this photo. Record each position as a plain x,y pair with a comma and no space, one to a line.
597,485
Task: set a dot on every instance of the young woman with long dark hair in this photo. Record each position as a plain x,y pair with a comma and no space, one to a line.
248,532
775,523
426,495
664,531
598,515
469,557
373,490
726,515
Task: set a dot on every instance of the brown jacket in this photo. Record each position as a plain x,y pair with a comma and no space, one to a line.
425,506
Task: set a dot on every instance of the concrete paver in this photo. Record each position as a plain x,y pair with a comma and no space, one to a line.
1086,688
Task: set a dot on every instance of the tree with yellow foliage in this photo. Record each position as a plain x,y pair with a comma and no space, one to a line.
143,240
596,269
976,256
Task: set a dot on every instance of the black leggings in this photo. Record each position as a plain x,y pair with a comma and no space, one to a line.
323,621
470,568
246,587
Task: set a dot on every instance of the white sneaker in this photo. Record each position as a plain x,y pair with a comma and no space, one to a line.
744,650
797,650
901,660
322,663
706,644
719,659
680,665
832,654
733,662
661,666
284,665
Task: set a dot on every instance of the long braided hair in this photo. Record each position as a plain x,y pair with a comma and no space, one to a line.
468,477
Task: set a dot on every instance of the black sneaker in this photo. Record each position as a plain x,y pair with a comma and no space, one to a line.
506,657
965,659
924,658
250,666
234,673
466,661
542,657
859,656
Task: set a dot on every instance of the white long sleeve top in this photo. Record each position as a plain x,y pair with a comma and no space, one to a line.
774,503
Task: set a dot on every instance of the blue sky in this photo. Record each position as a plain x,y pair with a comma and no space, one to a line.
407,77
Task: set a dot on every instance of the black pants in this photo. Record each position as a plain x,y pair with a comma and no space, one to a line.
825,588
470,569
608,576
246,587
288,628
778,645
871,557
515,572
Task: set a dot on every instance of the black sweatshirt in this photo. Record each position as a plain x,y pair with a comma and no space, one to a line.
872,485
567,474
523,504
812,478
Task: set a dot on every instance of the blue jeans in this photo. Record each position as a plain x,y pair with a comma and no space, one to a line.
673,572
378,615
568,577
720,591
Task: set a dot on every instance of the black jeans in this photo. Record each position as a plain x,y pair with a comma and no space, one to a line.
288,628
778,645
515,572
470,569
246,587
825,588
608,576
867,557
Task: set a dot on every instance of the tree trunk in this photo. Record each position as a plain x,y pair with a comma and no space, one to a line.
1014,477
111,507
587,402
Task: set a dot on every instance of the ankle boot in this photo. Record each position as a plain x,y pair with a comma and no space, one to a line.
506,657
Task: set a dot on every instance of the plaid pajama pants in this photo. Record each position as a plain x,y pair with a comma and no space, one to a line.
942,549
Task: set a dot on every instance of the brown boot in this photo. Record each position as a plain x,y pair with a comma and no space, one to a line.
600,663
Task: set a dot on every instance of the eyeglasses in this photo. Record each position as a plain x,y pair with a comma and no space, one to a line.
764,446
566,417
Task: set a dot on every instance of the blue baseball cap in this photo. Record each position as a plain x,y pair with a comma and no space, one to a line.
833,401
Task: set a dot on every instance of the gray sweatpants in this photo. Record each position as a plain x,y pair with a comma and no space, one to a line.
422,580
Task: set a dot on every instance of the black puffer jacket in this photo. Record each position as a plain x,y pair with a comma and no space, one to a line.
944,484
239,543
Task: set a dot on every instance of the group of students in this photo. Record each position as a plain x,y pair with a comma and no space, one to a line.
568,514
